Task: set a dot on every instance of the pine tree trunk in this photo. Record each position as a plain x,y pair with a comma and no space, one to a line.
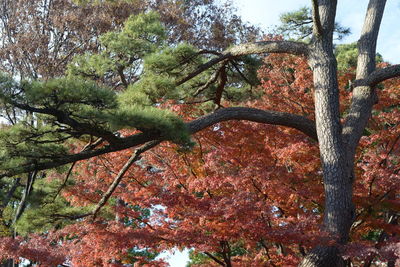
337,178
338,145
323,257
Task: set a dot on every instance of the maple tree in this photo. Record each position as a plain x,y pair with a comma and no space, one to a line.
247,193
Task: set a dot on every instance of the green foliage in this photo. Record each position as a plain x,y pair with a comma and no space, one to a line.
162,71
70,95
197,258
97,2
246,67
149,90
298,25
142,34
45,210
61,109
148,119
373,235
134,254
22,144
346,56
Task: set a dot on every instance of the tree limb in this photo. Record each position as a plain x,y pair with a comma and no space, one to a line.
364,96
316,19
378,76
261,47
298,122
27,192
135,156
64,118
9,195
214,258
106,196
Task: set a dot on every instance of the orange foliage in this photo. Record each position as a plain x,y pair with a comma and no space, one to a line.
245,187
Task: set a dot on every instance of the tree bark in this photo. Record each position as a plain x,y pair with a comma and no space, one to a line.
323,256
337,147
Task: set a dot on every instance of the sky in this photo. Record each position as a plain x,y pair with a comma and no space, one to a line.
350,13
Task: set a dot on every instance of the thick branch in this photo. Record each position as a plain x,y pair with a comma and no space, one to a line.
289,47
27,192
9,195
364,96
326,10
378,76
235,113
317,27
256,115
214,258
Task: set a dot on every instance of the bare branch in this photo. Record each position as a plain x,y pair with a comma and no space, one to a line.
223,78
63,184
378,76
256,115
135,156
214,258
27,192
9,195
234,64
210,81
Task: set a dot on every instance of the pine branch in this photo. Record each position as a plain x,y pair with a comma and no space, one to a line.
298,122
261,47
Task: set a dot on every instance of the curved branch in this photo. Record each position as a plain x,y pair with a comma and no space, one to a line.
234,113
261,47
379,75
256,115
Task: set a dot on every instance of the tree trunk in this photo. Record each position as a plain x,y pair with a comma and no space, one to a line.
337,176
337,147
323,256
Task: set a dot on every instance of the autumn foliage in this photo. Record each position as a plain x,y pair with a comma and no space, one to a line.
248,194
